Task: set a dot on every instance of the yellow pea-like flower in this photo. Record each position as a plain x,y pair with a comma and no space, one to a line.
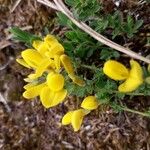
134,80
57,62
41,47
67,118
90,103
115,70
32,57
77,80
23,63
41,69
55,81
50,39
133,77
75,118
50,98
66,62
33,91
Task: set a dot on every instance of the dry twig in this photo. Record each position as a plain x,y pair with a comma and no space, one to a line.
4,102
15,5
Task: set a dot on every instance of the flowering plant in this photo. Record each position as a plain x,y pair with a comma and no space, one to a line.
81,66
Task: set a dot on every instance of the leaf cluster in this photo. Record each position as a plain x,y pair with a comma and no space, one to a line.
84,9
23,36
116,24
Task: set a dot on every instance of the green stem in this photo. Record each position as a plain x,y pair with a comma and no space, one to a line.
136,112
132,94
124,108
89,67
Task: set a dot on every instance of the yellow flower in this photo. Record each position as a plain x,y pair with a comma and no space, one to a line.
50,46
33,59
50,98
55,81
74,118
117,71
66,62
90,103
47,56
33,90
53,93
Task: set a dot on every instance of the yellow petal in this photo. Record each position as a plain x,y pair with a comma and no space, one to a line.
115,70
50,39
134,80
46,97
36,44
50,98
66,62
90,103
55,47
67,118
57,62
77,80
32,57
59,97
23,63
77,118
29,85
28,80
40,46
33,91
40,69
55,81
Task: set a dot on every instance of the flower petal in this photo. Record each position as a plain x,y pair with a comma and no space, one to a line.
23,63
77,80
90,103
32,57
50,39
33,91
46,97
50,98
55,48
134,80
55,81
40,46
57,62
67,118
77,118
40,69
59,97
67,64
115,70
30,85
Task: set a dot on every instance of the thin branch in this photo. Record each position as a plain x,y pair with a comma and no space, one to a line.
4,101
15,5
61,7
49,4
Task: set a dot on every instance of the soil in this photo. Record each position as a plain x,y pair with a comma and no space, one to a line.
26,125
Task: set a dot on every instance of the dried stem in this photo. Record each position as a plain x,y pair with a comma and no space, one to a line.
59,5
15,5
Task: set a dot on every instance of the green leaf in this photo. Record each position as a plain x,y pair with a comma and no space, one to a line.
23,36
107,54
63,19
138,24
